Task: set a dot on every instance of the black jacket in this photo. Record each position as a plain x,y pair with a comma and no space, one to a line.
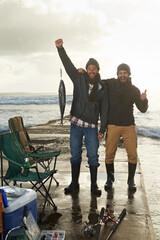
121,102
81,107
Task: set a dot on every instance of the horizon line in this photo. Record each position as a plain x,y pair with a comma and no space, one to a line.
35,93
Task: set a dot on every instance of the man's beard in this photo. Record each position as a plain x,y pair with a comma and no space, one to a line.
121,79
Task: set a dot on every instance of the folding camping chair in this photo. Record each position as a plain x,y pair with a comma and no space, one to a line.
12,151
16,125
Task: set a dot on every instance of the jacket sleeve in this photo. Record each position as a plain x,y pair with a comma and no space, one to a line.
141,105
104,111
68,65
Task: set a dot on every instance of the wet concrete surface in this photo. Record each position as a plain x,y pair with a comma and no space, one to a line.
84,206
149,152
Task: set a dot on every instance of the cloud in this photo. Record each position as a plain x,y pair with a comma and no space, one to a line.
111,31
26,31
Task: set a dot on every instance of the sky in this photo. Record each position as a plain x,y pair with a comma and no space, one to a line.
111,31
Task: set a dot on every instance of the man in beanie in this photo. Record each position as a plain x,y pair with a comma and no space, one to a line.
89,102
122,96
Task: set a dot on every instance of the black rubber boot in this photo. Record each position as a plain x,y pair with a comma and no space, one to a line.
94,186
131,173
74,185
110,176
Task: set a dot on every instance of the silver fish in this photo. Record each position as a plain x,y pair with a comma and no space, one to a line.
62,98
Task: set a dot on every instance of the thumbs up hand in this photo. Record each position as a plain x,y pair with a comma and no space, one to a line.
143,95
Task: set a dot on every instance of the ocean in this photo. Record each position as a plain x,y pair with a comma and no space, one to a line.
40,108
37,109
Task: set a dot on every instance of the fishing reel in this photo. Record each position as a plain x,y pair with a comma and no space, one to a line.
87,229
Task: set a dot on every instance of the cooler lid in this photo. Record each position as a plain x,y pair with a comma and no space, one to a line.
18,197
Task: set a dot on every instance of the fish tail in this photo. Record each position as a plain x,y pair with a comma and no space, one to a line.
62,121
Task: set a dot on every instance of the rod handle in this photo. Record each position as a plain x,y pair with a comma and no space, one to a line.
98,227
120,218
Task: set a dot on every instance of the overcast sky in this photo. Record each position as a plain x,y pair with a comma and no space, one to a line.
112,31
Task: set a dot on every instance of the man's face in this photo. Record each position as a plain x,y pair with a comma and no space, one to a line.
92,71
123,76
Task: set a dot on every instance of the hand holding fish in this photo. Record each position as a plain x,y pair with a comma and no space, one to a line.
59,43
143,95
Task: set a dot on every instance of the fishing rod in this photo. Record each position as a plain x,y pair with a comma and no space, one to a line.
94,230
116,224
99,224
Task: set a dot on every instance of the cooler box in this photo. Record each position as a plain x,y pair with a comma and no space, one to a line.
16,202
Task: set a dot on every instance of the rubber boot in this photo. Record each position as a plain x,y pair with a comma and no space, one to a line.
110,176
94,186
131,173
74,185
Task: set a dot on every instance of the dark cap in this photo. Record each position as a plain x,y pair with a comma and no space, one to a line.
125,67
92,61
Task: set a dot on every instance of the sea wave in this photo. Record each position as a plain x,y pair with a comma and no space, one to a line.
147,124
152,132
32,100
42,108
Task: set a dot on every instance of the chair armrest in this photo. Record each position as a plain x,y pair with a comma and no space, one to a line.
36,150
10,160
20,165
40,155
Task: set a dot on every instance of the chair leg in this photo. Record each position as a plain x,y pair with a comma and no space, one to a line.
46,166
56,181
46,196
54,168
46,199
37,189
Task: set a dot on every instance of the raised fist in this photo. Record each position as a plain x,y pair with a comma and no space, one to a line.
59,43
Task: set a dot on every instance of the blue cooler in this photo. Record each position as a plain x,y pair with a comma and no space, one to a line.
16,202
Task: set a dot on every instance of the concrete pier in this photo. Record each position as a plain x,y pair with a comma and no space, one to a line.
83,206
136,225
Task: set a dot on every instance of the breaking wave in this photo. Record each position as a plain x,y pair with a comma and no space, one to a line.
37,109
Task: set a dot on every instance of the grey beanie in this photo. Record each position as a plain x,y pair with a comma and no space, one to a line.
94,62
125,67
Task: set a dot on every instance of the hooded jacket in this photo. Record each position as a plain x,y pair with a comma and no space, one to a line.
82,108
121,102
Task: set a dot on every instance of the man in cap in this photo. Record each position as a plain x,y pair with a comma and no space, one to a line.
89,102
122,96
